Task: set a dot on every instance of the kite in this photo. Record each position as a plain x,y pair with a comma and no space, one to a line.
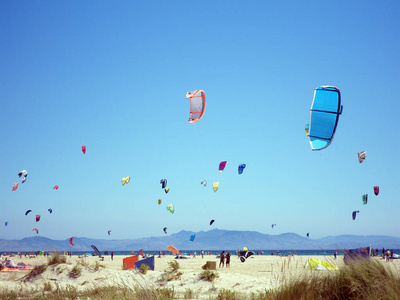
215,186
109,232
324,116
23,180
27,212
204,183
125,179
308,234
35,229
159,201
365,198
83,149
273,225
163,183
171,208
165,230
6,223
55,187
70,241
361,156
173,250
245,254
240,168
50,210
23,172
192,237
307,128
166,190
376,190
355,214
222,166
37,218
197,105
211,222
15,186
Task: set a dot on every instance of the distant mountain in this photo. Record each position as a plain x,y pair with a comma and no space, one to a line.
215,239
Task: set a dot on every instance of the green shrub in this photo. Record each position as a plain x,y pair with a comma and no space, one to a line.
208,275
144,268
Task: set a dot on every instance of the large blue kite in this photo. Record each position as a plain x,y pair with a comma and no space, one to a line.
324,116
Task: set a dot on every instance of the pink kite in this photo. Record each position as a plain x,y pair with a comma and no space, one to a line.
84,149
70,242
55,187
222,165
15,186
37,218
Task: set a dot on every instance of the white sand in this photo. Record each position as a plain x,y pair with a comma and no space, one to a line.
256,274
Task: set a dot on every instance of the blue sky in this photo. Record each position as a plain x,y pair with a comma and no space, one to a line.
113,76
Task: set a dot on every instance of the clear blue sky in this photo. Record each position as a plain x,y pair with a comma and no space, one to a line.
113,76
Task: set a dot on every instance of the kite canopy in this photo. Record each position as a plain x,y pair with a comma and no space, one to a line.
376,190
109,232
6,223
365,198
159,201
55,187
166,190
165,230
50,210
273,225
35,229
211,222
163,183
222,166
324,116
125,180
171,208
37,218
240,168
70,241
15,186
27,212
243,255
204,183
192,237
316,264
361,156
197,105
23,172
308,234
215,186
355,214
173,250
83,149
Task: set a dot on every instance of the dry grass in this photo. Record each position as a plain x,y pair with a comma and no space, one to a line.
56,258
35,272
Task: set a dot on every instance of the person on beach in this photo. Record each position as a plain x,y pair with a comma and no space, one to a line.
334,254
202,254
112,255
222,259
228,260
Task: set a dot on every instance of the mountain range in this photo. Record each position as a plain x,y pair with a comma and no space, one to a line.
215,239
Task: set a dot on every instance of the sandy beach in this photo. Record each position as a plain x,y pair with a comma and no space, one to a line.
258,273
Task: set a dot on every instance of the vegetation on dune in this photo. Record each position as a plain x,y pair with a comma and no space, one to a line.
56,258
364,279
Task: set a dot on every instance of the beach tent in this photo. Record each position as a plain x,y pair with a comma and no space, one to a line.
316,264
148,261
129,262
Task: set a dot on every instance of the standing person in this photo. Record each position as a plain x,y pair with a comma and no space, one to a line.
334,254
112,255
228,260
222,259
202,254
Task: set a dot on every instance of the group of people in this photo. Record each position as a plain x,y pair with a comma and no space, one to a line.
225,259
